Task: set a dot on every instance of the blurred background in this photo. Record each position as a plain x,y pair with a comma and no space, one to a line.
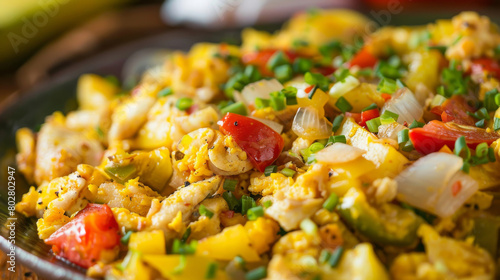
43,38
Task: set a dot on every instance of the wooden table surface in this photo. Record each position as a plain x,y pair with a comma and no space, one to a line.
22,273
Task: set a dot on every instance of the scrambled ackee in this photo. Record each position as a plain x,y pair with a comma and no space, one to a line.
317,152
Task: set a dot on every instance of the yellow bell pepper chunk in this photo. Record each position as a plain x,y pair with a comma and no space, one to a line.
388,161
94,92
318,100
360,97
231,242
170,267
135,268
148,242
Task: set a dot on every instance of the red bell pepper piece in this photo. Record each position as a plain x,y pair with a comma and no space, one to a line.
434,135
92,231
262,144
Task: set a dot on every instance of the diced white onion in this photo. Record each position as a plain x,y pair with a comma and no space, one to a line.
338,153
308,124
260,89
404,103
340,88
428,184
274,125
390,130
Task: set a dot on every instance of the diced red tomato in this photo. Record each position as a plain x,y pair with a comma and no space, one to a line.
455,109
456,188
262,144
434,135
261,58
82,240
364,59
368,115
386,96
308,89
486,64
355,116
324,70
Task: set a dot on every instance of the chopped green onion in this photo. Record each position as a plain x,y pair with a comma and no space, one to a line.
387,85
205,212
252,72
277,59
441,49
290,94
302,65
386,119
328,49
297,43
324,256
256,274
165,92
371,107
331,202
407,147
403,136
247,202
341,73
179,247
278,101
480,114
337,139
391,114
184,103
240,261
461,145
316,147
125,239
283,73
491,155
288,172
367,72
182,265
186,235
270,169
236,108
416,124
497,99
489,100
317,79
373,124
267,203
231,200
343,105
480,123
211,270
308,226
230,184
337,122
335,257
255,212
261,103
482,150
496,124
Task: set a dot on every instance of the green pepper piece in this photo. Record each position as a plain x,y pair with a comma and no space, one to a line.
121,173
485,232
388,224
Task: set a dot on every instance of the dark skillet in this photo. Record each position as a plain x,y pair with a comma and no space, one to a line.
29,109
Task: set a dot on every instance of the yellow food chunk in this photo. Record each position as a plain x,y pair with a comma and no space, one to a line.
262,233
231,242
148,242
